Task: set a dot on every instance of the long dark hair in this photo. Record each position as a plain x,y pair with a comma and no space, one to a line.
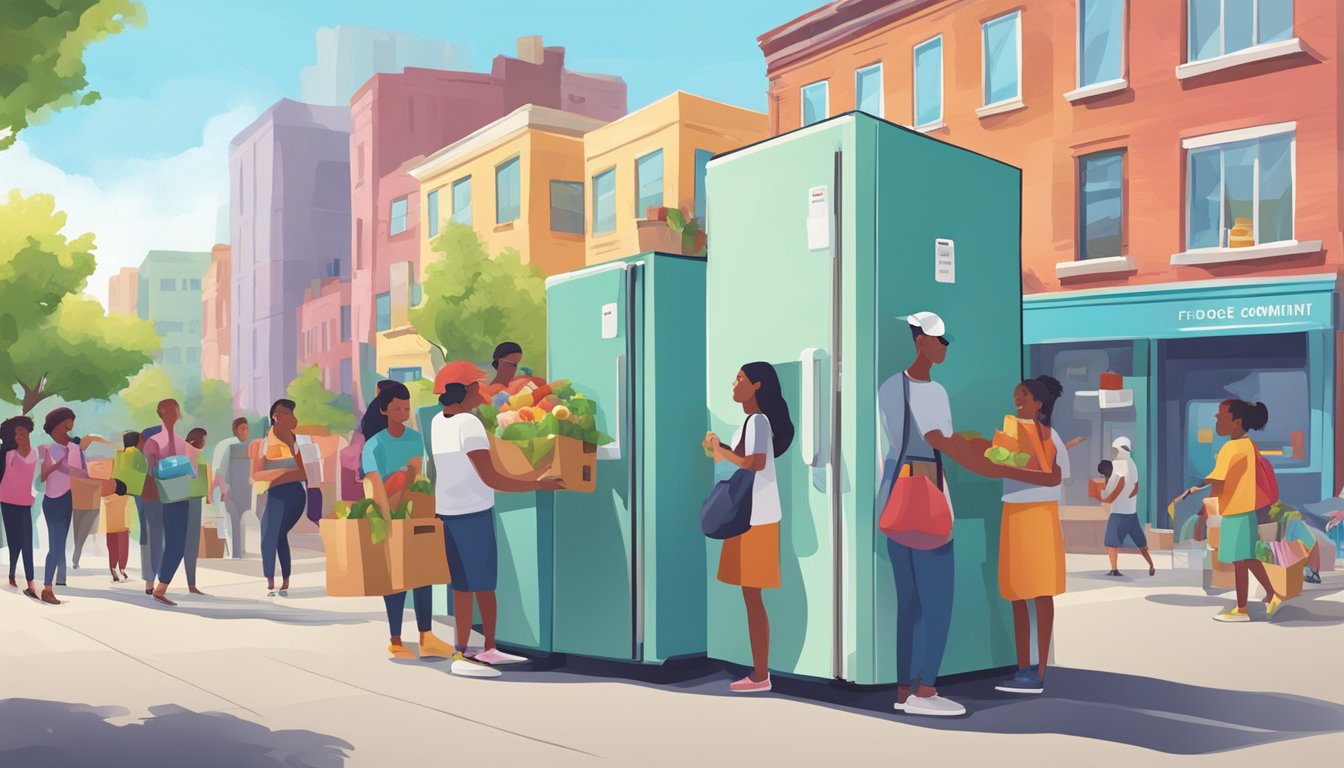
1045,390
375,420
1253,416
9,437
770,397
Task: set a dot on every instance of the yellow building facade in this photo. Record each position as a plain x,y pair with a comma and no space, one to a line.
655,157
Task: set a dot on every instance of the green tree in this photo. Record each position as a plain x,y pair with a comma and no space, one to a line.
39,265
472,301
315,405
42,44
143,394
79,353
210,405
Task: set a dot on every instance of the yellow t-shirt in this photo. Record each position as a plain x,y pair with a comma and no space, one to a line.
114,514
1236,469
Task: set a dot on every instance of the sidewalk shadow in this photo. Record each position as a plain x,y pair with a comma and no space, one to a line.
55,733
1317,606
211,607
1157,715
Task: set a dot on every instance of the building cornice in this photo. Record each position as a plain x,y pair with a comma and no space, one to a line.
831,25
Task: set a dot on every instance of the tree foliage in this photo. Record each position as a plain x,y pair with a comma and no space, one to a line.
39,265
79,353
42,45
473,302
315,405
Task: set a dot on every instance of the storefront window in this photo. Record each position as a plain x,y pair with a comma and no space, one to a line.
1079,413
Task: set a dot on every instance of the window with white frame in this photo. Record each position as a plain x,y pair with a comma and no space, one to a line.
398,222
1101,41
868,90
929,82
1240,188
1220,27
816,102
462,201
508,191
604,202
1002,45
648,182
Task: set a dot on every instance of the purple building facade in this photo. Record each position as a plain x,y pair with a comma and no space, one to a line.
289,222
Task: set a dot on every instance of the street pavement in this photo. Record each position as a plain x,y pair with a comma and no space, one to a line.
1143,676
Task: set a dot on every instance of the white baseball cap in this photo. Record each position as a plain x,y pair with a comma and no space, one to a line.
1122,444
929,324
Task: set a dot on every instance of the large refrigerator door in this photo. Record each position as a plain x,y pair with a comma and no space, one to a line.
591,340
775,236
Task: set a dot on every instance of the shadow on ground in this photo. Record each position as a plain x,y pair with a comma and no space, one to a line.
55,733
1315,607
1158,715
278,609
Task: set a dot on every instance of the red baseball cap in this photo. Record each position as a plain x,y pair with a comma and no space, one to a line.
458,372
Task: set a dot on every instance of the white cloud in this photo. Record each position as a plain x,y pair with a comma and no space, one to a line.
137,205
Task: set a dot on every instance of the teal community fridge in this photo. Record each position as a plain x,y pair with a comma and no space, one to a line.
822,241
629,561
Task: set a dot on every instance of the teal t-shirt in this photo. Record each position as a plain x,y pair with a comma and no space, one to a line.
386,454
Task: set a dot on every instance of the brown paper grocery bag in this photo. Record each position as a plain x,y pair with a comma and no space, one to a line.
86,493
356,567
416,554
422,505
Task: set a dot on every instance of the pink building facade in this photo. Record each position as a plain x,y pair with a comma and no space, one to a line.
398,117
324,333
216,321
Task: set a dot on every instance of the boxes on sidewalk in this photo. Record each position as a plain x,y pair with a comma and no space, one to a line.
212,544
1219,575
1287,581
1161,539
416,557
356,567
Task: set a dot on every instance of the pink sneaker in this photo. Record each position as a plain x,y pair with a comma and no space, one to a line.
747,685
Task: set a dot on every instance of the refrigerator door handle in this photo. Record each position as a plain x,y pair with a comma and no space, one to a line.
812,443
612,450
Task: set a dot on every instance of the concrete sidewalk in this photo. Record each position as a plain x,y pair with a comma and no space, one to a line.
1143,677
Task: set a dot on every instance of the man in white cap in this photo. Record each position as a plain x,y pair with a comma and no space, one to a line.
1121,492
923,569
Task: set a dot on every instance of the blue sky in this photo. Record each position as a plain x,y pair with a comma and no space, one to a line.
147,167
200,58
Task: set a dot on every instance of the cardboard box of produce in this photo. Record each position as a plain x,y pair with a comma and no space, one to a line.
356,567
422,505
415,553
509,459
212,544
572,460
1219,576
1287,581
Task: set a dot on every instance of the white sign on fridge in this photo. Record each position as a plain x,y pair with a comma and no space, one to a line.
818,219
944,261
608,321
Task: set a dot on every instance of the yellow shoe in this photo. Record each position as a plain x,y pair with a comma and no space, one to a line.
1233,616
1272,607
400,652
432,647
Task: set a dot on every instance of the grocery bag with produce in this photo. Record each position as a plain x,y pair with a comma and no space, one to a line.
550,427
416,556
1017,445
355,543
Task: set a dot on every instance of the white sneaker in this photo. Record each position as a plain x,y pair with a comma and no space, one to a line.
495,657
463,667
933,706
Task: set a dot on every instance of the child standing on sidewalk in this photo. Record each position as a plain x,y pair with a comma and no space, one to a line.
115,526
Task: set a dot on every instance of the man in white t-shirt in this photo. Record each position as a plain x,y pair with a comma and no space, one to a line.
923,568
465,481
1122,492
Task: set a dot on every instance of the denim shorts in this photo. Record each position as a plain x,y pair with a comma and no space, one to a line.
1118,527
473,559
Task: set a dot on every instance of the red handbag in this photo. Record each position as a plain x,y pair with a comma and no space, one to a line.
916,512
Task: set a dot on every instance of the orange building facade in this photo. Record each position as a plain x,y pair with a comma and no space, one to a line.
1181,221
216,320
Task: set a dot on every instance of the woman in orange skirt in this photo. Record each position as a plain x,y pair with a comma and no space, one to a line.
751,560
1031,542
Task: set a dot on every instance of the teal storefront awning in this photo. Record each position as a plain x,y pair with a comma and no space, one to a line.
1216,308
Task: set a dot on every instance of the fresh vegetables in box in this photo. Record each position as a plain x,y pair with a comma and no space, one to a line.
1007,446
551,425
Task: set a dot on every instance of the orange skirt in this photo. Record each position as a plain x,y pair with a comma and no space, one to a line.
1031,551
752,559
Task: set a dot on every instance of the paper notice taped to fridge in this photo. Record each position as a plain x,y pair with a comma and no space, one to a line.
945,261
818,219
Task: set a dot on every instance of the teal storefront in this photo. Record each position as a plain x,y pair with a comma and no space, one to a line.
1182,349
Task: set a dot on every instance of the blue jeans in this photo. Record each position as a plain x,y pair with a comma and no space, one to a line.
424,610
193,540
284,507
58,512
174,539
19,537
924,580
151,536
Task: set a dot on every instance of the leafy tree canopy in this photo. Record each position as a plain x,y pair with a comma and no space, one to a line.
315,405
